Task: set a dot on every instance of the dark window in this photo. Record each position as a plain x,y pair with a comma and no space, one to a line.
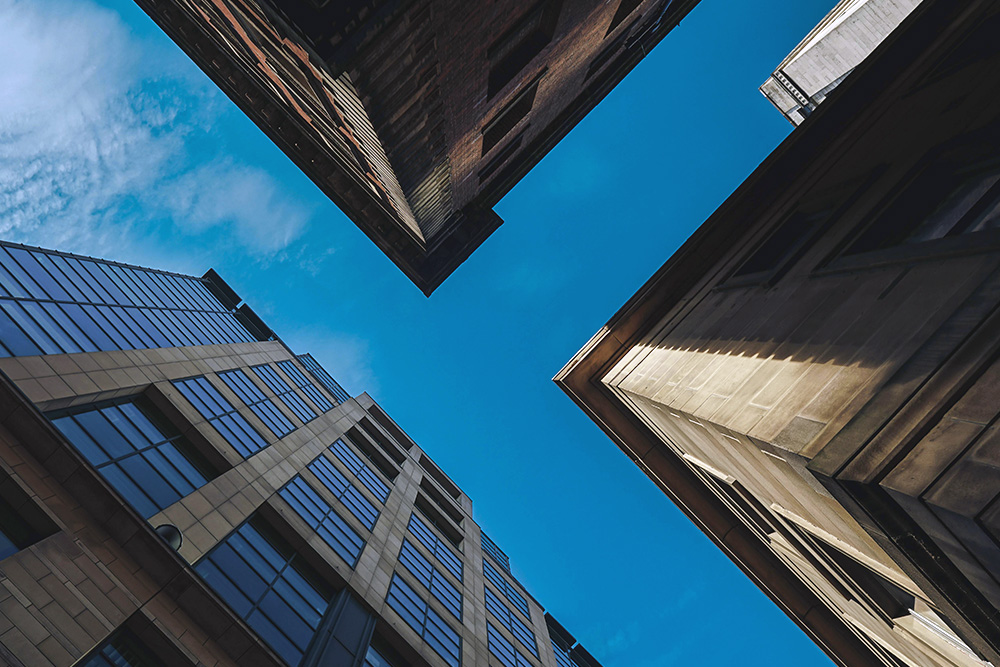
782,244
495,552
511,621
510,115
608,52
947,198
139,452
262,406
425,621
435,545
338,485
509,591
562,655
501,157
625,9
321,517
517,47
16,532
365,475
307,387
122,649
283,391
323,377
268,584
220,413
503,650
433,579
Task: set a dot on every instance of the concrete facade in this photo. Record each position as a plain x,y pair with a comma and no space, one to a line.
87,573
844,38
417,116
812,377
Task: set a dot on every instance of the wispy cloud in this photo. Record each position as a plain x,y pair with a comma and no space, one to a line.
347,358
102,136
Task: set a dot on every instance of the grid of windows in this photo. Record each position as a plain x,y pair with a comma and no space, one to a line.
562,656
511,621
495,552
283,391
323,377
259,404
347,493
121,649
15,532
270,586
220,413
435,545
503,650
432,578
360,469
307,387
322,518
52,303
141,454
425,621
506,588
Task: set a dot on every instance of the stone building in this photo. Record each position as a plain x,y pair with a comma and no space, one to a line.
178,488
845,37
416,116
813,377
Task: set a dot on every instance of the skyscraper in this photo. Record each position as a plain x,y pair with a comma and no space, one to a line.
178,488
417,116
812,376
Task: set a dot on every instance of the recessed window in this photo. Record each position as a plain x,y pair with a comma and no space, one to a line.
426,622
517,47
139,452
268,584
508,117
511,621
625,9
508,589
503,650
283,391
501,156
16,532
435,545
322,518
221,414
944,199
433,579
365,475
262,406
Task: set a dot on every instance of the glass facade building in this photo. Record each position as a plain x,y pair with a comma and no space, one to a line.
190,491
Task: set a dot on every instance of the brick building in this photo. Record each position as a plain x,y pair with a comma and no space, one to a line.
813,376
178,488
416,116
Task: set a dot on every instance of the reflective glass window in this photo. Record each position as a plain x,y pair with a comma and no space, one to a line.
323,377
259,404
511,621
220,413
122,649
365,474
15,532
508,589
268,584
496,553
503,650
141,454
285,392
307,387
435,545
338,484
425,621
321,517
433,579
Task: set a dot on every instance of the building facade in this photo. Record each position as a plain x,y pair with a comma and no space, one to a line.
416,116
812,377
178,488
845,37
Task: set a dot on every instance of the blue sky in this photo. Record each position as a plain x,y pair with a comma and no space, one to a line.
113,144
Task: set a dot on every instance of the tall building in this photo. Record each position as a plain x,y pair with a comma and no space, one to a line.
813,376
178,488
845,37
417,116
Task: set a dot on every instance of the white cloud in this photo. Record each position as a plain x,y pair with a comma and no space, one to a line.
98,135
